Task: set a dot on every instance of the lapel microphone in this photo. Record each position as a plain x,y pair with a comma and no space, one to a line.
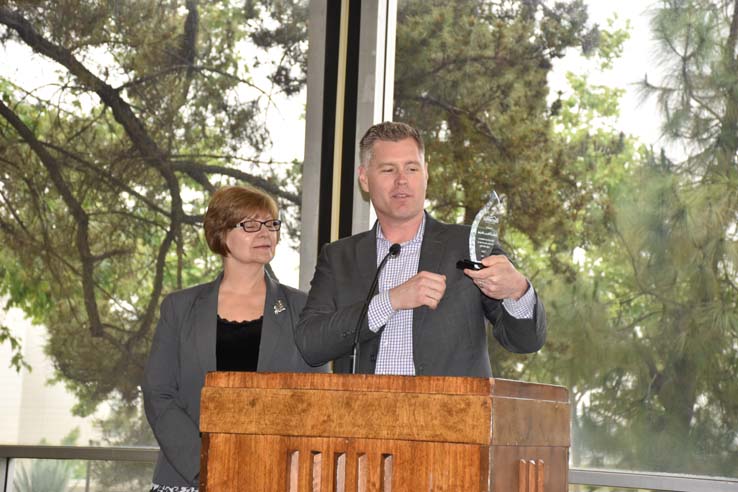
394,250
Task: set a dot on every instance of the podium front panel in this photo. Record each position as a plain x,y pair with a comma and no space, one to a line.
351,433
244,463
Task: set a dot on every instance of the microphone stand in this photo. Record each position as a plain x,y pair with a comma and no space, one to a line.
394,250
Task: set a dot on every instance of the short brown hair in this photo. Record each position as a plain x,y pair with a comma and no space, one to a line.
389,131
227,207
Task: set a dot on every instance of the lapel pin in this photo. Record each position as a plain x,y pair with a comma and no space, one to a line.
279,306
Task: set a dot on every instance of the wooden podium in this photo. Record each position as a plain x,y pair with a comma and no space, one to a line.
334,433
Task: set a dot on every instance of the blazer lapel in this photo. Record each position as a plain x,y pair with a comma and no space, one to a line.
276,324
432,252
205,326
366,259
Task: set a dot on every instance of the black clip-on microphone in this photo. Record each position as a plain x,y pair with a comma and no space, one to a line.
394,250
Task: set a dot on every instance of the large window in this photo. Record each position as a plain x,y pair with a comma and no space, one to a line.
611,133
117,121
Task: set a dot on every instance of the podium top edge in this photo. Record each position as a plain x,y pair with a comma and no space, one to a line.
402,384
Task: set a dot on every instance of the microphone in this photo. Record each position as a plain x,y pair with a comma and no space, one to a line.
394,250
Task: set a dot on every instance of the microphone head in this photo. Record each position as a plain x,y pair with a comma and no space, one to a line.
394,250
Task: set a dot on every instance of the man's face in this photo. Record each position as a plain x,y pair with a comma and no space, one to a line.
396,180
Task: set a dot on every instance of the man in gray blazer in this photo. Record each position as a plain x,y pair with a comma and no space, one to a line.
427,317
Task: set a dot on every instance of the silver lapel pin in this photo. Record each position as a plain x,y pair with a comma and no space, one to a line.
279,306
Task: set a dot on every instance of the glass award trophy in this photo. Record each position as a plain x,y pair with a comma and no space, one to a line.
484,233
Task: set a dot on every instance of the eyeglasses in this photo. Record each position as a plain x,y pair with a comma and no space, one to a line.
255,225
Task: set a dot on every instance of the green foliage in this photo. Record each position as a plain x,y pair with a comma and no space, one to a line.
48,475
611,40
672,293
16,359
43,476
472,75
635,254
106,170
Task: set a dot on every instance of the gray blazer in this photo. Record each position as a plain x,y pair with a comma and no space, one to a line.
448,341
183,351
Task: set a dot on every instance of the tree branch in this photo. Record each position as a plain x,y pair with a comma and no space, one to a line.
481,125
109,96
80,216
158,283
118,185
198,68
259,182
226,157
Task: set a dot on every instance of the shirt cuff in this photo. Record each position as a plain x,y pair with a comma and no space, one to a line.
524,307
380,311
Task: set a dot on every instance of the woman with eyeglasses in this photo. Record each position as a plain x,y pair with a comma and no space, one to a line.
241,321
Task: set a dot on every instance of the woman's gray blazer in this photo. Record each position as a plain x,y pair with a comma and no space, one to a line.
183,351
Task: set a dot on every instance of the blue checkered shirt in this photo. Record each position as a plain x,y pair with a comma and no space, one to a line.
396,342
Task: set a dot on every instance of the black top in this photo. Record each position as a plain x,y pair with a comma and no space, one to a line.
237,345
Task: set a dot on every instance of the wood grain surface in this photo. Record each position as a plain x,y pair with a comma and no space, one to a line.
374,414
362,433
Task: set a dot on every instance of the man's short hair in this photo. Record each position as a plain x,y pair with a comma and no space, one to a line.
388,131
227,207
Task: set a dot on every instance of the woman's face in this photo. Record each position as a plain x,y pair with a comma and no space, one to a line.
252,247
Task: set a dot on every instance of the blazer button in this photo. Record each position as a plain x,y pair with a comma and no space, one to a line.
373,357
421,368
